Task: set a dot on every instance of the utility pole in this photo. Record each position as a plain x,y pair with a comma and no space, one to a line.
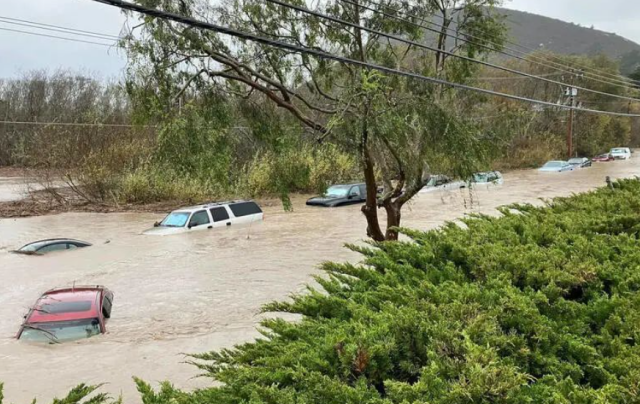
572,93
572,102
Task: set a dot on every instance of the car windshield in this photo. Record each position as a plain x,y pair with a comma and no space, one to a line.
338,191
554,164
33,247
175,219
481,177
60,331
618,151
576,161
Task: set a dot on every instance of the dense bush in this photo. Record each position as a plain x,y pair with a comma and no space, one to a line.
538,306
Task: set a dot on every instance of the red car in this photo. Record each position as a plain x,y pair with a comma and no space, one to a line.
604,157
68,314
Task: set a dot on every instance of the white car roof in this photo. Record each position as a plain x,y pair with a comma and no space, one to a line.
191,209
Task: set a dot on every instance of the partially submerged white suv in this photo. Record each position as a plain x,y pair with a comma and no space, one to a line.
621,153
208,216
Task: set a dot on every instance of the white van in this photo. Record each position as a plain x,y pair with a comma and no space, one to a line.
206,217
621,153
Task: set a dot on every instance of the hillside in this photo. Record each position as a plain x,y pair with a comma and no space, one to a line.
536,31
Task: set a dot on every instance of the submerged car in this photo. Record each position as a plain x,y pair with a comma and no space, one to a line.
207,216
340,195
557,166
603,158
441,182
68,314
486,178
580,162
54,244
621,153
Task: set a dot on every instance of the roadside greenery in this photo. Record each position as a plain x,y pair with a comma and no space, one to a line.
539,305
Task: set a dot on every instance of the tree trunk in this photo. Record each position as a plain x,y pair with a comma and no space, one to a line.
370,209
393,220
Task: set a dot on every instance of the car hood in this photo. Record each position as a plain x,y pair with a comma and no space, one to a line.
324,199
164,231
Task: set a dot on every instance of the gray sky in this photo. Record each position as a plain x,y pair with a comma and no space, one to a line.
20,53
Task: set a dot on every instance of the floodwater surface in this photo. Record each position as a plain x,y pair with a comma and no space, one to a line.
200,291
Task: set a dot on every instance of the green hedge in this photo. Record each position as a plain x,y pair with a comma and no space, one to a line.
537,306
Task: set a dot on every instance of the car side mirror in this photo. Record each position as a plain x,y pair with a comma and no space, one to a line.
190,225
156,224
351,196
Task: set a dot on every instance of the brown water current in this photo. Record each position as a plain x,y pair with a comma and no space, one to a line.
201,291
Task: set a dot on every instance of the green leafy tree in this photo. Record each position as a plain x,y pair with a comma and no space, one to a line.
400,130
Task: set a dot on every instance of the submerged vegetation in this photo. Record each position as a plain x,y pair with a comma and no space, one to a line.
540,305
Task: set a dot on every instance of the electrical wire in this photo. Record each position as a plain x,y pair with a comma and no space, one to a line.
445,52
110,125
600,73
516,78
56,28
324,55
495,48
57,37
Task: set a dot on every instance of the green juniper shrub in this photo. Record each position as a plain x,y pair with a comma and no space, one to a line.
540,305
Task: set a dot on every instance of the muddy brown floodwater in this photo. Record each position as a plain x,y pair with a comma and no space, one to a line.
202,291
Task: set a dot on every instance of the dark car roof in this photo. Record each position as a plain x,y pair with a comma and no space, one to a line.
49,241
348,184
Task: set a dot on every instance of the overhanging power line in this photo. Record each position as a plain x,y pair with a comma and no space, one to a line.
57,37
324,55
494,48
442,51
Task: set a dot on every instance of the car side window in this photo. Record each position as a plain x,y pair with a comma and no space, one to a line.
244,209
71,246
199,218
219,214
354,191
53,247
441,181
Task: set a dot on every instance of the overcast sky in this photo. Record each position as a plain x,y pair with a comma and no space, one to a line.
20,52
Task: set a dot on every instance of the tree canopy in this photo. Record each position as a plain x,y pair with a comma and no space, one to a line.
399,129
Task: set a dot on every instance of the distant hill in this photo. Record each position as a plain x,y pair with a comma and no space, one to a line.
536,31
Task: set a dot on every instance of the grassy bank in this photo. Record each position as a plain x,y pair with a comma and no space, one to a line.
537,306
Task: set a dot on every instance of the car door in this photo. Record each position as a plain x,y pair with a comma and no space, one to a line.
354,195
220,216
199,221
363,192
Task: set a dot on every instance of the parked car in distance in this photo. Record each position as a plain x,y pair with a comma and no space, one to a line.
340,195
620,153
556,166
68,314
206,217
441,182
580,162
50,245
603,158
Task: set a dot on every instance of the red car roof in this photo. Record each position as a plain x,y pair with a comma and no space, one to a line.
66,304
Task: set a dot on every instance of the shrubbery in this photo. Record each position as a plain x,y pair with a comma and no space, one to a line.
540,305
